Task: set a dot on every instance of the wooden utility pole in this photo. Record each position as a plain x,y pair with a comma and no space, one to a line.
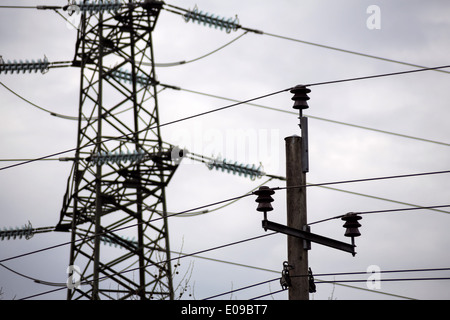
296,218
296,275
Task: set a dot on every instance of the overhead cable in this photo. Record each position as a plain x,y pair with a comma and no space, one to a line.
40,108
225,108
240,289
249,194
314,117
123,228
380,198
376,76
190,14
349,51
211,21
172,64
347,273
365,179
150,128
383,211
386,280
166,261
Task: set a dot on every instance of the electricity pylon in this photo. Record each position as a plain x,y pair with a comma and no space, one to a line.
109,198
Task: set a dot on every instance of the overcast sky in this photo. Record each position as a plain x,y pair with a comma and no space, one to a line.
414,105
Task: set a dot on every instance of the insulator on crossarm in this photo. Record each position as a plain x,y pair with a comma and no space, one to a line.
26,231
351,225
125,76
93,7
116,157
14,66
229,24
246,170
112,242
264,199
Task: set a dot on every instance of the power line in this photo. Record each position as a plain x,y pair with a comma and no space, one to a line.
271,177
238,26
380,272
366,179
203,251
39,107
362,280
172,64
18,7
379,198
263,33
337,282
314,117
20,160
162,262
387,280
224,108
196,213
275,271
226,245
249,194
376,76
349,51
333,82
48,283
345,274
381,211
240,289
404,209
241,241
373,291
150,128
186,11
66,117
263,269
120,229
267,294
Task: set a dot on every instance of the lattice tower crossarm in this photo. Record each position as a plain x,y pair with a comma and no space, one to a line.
118,200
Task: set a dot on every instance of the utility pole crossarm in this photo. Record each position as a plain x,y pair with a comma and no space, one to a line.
308,236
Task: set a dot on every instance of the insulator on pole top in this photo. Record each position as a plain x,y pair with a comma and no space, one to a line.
24,66
229,24
300,97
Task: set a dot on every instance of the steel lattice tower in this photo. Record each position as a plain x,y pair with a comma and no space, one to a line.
108,198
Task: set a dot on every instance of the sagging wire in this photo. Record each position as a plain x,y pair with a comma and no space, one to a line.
221,109
162,262
183,62
384,211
